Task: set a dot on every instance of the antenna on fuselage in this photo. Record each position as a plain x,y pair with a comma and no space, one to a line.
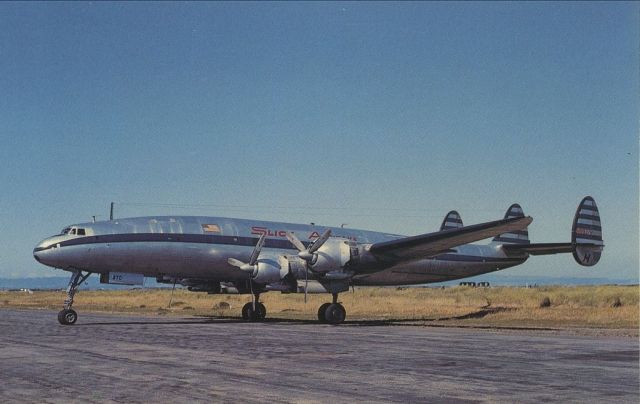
111,212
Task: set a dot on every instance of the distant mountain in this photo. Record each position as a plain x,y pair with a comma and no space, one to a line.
496,280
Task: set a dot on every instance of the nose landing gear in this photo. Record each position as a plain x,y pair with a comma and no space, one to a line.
68,316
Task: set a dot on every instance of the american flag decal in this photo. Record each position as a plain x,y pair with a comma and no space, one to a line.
210,228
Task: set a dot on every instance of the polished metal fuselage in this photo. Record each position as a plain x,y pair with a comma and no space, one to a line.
199,247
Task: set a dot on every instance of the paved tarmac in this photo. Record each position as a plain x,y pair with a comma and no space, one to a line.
159,359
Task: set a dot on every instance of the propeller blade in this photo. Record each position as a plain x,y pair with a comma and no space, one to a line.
306,283
253,296
242,265
256,251
320,241
235,262
295,241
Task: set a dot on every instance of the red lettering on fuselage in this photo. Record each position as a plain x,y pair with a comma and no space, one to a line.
283,233
268,232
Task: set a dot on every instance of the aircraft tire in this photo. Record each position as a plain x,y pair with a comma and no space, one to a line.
321,312
248,314
67,317
335,314
246,311
261,312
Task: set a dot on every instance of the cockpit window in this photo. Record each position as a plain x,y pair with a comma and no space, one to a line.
74,231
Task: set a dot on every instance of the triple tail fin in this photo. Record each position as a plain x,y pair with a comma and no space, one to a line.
514,237
451,221
586,238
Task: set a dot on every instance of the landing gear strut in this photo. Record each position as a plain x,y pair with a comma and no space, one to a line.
254,310
332,313
68,316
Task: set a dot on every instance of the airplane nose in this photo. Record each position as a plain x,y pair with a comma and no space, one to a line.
35,254
39,250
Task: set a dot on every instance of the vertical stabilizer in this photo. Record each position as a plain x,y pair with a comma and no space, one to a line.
514,237
586,233
451,221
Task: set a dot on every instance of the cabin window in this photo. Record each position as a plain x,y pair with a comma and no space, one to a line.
210,228
73,231
65,230
81,232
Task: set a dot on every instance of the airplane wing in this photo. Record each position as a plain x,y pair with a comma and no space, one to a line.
432,244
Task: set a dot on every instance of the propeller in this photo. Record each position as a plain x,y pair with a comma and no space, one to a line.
253,259
308,254
250,266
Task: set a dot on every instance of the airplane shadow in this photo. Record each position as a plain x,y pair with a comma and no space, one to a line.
420,322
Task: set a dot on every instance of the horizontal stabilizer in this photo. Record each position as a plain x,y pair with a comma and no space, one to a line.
548,248
538,249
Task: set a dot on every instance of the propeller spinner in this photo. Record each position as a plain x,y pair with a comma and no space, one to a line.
250,266
308,254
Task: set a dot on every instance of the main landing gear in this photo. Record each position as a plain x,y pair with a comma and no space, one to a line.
68,316
332,313
254,310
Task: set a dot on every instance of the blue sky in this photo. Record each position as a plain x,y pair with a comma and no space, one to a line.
380,115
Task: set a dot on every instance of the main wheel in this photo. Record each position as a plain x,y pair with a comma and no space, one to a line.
321,312
335,313
247,309
258,314
67,317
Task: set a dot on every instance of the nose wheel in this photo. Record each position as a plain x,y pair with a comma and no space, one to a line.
68,316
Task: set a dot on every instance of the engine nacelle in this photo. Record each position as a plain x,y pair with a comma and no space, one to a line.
335,255
270,269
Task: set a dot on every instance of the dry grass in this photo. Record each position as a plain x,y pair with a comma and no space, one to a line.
571,307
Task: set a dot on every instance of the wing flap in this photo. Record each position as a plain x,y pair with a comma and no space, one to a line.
432,244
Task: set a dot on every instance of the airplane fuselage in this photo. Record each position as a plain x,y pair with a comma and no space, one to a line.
199,247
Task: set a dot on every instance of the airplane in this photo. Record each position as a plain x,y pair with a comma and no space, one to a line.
225,255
